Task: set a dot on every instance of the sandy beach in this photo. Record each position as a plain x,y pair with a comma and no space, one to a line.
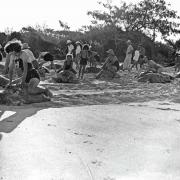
107,142
94,130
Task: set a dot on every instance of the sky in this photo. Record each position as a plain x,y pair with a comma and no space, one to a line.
16,14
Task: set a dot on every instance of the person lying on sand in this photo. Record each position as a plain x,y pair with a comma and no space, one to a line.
153,66
111,64
30,77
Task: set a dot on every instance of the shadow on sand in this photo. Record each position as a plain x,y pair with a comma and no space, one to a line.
7,125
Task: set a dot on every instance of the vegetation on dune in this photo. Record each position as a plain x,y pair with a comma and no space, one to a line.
141,22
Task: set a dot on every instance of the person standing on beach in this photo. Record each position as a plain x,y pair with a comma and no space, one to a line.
84,57
136,58
141,55
77,54
70,47
129,54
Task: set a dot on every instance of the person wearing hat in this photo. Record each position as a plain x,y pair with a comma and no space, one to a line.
129,54
70,47
84,57
77,54
111,64
26,48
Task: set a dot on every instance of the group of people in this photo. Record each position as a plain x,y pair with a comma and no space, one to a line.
22,67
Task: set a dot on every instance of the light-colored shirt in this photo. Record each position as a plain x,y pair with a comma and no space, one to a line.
136,55
78,49
70,48
129,50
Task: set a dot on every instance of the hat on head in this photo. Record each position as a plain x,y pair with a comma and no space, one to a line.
77,42
69,41
129,41
25,46
110,51
69,55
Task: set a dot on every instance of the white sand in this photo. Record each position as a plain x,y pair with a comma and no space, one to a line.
108,142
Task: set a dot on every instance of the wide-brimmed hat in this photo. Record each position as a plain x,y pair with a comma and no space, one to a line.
25,46
69,55
69,41
77,42
129,41
110,51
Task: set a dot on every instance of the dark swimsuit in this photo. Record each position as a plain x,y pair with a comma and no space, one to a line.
31,72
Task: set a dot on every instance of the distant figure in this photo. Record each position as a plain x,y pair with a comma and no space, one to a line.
177,60
70,47
77,54
136,58
129,53
141,55
152,66
84,57
111,65
45,57
68,63
26,48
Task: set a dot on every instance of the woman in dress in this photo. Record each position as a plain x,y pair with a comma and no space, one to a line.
129,53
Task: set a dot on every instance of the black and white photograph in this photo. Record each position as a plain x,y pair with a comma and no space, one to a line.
90,90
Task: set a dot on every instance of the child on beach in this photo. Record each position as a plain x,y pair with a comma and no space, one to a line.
84,57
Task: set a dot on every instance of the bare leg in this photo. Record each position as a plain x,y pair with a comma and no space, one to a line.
83,71
33,88
80,69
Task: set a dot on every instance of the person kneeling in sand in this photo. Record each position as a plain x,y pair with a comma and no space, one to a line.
111,65
30,77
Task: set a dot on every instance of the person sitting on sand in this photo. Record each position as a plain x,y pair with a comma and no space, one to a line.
30,77
111,64
84,57
68,74
68,63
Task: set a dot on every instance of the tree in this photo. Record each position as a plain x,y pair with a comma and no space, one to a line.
148,16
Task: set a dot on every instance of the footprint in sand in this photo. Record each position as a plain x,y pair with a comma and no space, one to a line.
87,142
52,125
100,150
97,163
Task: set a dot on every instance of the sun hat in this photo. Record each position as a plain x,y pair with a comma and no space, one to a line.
69,55
69,41
25,46
110,51
77,42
